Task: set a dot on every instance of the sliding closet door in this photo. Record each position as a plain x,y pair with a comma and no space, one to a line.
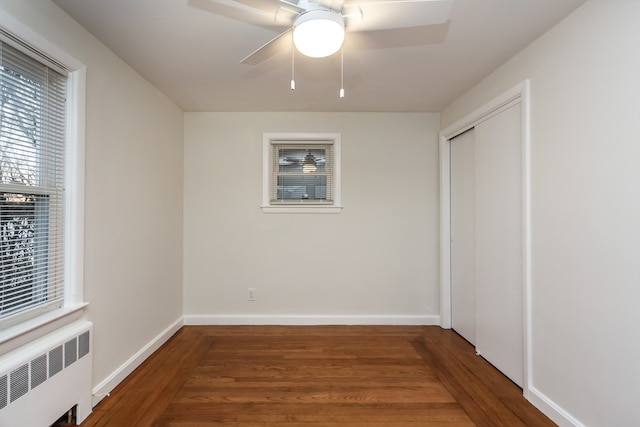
463,295
498,242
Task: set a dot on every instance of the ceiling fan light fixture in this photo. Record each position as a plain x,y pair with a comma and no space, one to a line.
318,33
309,163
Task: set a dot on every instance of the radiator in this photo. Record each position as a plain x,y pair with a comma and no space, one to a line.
43,380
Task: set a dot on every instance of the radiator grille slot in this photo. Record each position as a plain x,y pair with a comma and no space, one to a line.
83,344
38,371
4,391
55,361
70,352
19,382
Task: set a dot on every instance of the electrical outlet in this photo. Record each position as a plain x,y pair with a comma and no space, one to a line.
251,294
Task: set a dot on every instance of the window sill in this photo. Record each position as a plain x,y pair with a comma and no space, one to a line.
23,333
302,209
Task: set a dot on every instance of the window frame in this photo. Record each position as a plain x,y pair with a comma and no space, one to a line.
313,139
73,306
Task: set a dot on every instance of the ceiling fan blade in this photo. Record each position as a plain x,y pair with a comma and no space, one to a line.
293,5
273,8
370,15
240,11
423,35
277,44
304,5
331,4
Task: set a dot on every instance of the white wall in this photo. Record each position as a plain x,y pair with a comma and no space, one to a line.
380,253
133,212
585,179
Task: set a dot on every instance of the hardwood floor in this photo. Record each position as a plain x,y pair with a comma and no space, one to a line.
315,376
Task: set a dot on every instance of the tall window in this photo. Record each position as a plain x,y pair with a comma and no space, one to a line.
301,173
32,141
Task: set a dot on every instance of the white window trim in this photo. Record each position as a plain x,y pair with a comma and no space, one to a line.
278,137
74,304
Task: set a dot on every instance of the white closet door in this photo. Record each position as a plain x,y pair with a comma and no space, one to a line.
463,296
498,242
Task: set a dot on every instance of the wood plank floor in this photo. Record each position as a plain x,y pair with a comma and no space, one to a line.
315,376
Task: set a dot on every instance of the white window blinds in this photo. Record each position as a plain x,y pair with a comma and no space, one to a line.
302,173
32,141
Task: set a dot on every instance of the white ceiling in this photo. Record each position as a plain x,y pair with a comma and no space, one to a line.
191,51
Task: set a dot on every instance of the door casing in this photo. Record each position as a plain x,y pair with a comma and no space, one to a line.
517,94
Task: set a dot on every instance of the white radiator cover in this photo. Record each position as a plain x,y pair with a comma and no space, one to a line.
42,380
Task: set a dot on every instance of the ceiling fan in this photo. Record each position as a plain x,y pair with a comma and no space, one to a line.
297,161
318,26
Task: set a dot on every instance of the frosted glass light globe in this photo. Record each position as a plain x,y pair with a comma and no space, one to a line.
318,33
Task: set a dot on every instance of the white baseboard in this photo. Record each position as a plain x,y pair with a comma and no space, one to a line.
551,409
105,387
293,320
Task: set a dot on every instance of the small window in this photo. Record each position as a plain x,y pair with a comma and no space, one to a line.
301,173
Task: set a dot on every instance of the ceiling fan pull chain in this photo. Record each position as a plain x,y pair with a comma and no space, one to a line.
342,72
293,56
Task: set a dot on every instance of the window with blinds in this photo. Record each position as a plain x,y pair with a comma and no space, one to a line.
32,169
301,172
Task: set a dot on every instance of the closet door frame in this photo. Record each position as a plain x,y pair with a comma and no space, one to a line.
518,94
